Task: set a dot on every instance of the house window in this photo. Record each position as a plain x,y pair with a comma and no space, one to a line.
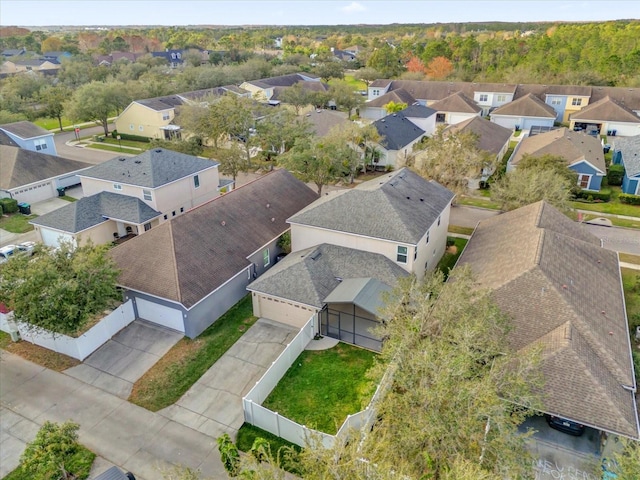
583,181
576,102
141,128
415,253
146,194
376,93
402,254
165,116
440,117
265,257
131,127
502,98
556,101
181,209
173,214
165,217
147,226
196,181
40,144
428,233
484,97
438,220
117,186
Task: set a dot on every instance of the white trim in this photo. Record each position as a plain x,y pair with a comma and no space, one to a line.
580,175
599,173
151,295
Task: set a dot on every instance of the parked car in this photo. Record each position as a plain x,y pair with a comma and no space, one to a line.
9,251
564,425
26,247
114,473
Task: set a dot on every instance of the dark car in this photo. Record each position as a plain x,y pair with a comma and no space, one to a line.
564,425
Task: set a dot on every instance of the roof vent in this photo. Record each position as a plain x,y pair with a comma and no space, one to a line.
137,161
122,159
223,223
408,198
422,199
273,219
338,279
159,150
316,255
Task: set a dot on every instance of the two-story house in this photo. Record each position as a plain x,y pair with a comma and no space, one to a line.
264,88
30,137
626,152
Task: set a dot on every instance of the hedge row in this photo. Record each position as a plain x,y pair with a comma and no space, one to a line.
615,174
9,205
603,195
126,136
629,199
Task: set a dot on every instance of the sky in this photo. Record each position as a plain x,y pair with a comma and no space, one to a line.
305,12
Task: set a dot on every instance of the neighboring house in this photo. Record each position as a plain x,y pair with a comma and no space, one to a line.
263,89
401,216
582,152
524,113
563,293
13,52
626,152
374,109
117,56
29,65
30,137
99,218
455,108
322,121
55,56
346,286
343,55
167,181
608,117
173,57
184,274
32,177
566,100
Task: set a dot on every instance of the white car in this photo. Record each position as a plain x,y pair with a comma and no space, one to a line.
8,251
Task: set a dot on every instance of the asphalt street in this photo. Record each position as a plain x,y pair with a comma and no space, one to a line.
91,156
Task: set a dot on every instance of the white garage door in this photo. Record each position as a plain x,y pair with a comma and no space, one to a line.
284,312
52,238
165,316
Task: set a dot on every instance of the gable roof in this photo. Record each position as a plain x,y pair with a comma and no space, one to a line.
629,148
562,291
405,205
491,136
572,146
310,276
417,111
458,102
190,256
606,109
322,121
283,80
7,140
25,129
527,106
150,169
396,96
22,167
397,131
90,211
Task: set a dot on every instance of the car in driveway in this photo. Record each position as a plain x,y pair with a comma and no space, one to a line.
9,251
564,425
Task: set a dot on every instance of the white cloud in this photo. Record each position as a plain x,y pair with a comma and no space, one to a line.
353,7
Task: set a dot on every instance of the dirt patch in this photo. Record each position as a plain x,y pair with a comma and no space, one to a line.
452,250
41,356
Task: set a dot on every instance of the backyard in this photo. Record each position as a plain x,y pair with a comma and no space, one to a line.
455,246
322,387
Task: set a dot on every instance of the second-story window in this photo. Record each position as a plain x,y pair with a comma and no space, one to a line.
484,97
147,195
402,253
196,181
117,186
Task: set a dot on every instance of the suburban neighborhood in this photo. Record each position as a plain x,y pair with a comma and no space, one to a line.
365,251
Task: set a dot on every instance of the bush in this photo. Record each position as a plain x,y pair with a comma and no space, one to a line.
603,195
1,211
629,199
9,205
126,136
615,175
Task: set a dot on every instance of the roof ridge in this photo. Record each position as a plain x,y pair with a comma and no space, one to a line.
174,263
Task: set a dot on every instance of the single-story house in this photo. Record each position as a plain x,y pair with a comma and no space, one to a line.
347,287
264,88
400,215
523,113
30,137
582,152
185,273
609,117
563,293
455,108
626,152
32,177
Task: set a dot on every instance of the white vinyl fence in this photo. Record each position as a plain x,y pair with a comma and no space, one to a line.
87,343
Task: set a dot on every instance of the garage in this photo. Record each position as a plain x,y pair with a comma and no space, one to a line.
281,310
160,314
52,238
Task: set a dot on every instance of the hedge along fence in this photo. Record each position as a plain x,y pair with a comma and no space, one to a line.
615,175
9,205
603,195
629,199
126,136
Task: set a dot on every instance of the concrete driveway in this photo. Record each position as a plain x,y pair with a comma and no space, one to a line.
120,362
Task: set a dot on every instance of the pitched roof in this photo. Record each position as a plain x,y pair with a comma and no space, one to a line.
491,136
606,109
629,148
563,291
417,111
527,106
7,140
627,97
90,211
188,257
406,205
25,129
572,146
322,121
150,169
282,80
396,96
22,167
309,276
458,102
397,131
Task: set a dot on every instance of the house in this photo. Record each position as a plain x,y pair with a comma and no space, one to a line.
184,274
563,293
346,287
626,152
524,113
30,137
343,55
608,117
167,181
455,108
55,56
100,218
399,215
323,121
566,100
582,152
117,56
173,57
263,89
29,65
374,109
32,177
13,52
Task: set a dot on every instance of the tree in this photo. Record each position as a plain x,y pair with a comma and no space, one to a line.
368,75
53,99
229,454
59,289
393,107
627,462
360,140
95,101
278,132
386,61
452,160
415,65
439,68
330,69
51,44
296,96
232,160
554,163
345,96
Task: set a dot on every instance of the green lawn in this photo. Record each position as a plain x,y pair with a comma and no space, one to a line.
631,297
112,148
351,80
127,143
613,207
460,230
189,359
477,202
79,464
450,258
618,222
52,123
629,258
322,387
17,223
68,198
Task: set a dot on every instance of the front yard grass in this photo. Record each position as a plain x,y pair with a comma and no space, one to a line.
460,230
322,387
612,207
188,360
16,223
615,221
36,354
631,297
480,202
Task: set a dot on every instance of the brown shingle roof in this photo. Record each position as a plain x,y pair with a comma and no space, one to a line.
606,109
458,102
397,96
192,255
562,291
491,136
528,106
25,129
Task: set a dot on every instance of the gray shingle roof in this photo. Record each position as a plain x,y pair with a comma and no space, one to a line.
322,121
397,96
309,276
90,211
527,106
458,102
25,129
397,131
188,257
629,147
399,207
7,140
491,136
150,169
563,292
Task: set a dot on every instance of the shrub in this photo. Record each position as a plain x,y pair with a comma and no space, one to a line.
615,174
126,136
9,205
603,195
629,199
1,211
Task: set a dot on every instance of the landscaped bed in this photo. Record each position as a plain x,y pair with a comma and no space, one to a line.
322,387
